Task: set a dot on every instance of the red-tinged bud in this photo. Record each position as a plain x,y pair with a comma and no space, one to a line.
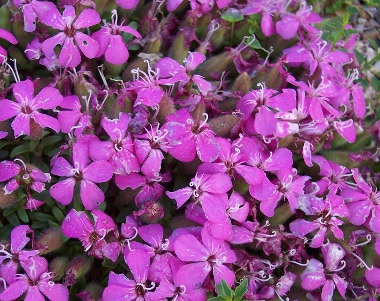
7,200
166,107
92,292
242,84
50,241
150,212
178,51
77,267
36,131
213,67
223,125
198,112
58,267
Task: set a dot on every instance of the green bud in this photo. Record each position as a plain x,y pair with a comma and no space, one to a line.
6,200
223,125
178,50
166,108
216,65
50,241
58,267
77,267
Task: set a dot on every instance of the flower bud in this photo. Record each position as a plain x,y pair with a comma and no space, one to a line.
150,212
36,131
58,266
49,241
178,51
92,291
166,108
223,125
213,67
242,83
6,200
77,267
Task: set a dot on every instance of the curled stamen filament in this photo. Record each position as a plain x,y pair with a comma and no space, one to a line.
368,240
341,268
362,262
100,106
299,263
22,162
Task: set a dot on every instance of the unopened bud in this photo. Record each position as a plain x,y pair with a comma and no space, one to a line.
150,212
242,83
166,108
213,67
36,131
223,125
77,267
6,200
58,267
49,241
92,292
178,50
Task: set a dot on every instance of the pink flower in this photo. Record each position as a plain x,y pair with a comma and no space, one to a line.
5,34
119,151
36,283
84,173
111,43
33,9
210,255
70,55
122,288
315,275
127,4
10,259
91,234
27,106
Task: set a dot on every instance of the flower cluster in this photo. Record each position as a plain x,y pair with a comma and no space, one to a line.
171,152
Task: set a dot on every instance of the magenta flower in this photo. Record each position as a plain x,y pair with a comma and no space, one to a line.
111,43
328,210
30,177
290,24
10,259
33,9
27,106
210,255
36,283
127,4
70,55
84,173
119,151
315,275
122,288
5,34
91,234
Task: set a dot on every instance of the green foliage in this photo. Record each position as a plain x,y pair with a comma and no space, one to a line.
334,29
225,293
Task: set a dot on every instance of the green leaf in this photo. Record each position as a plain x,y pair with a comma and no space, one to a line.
232,15
49,141
224,290
42,217
373,44
375,84
13,219
255,44
23,215
18,150
241,290
219,298
58,214
359,56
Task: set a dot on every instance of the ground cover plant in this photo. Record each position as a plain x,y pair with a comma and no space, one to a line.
189,150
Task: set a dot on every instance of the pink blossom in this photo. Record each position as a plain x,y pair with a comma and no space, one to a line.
6,35
210,255
111,43
27,107
36,283
91,233
70,55
33,9
84,173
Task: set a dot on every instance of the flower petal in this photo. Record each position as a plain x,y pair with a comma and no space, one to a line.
87,45
92,196
63,192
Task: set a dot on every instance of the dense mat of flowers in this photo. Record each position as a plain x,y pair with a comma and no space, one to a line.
151,150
